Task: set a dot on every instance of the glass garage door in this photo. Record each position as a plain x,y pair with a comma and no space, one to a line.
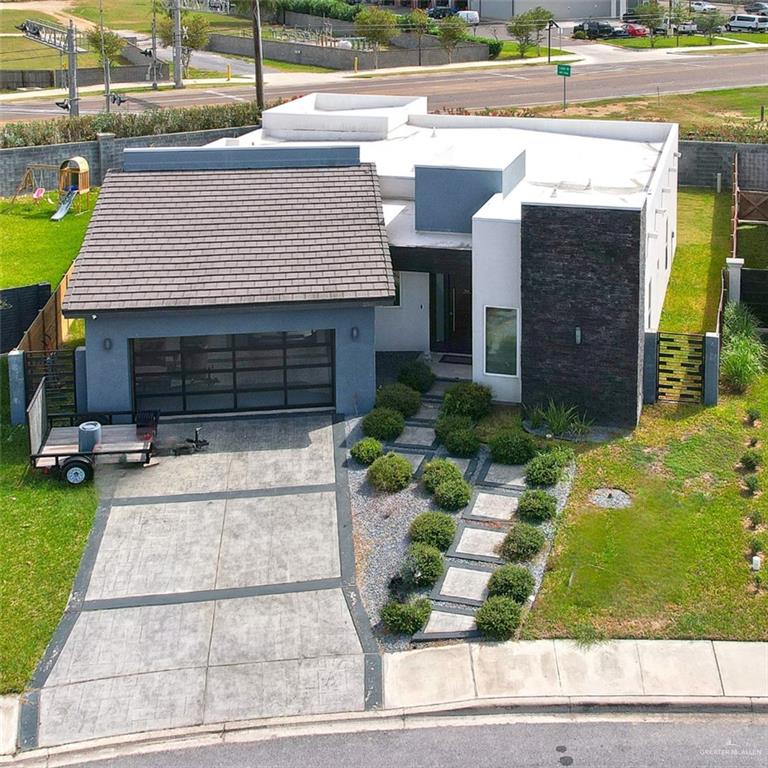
234,372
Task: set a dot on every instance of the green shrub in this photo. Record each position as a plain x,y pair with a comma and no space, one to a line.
332,9
756,517
367,450
511,581
522,542
434,528
752,484
417,375
756,545
739,320
544,469
536,506
453,494
498,617
400,398
423,565
742,360
579,35
446,424
468,399
383,424
406,618
753,415
438,470
510,447
390,473
751,460
494,46
463,442
560,419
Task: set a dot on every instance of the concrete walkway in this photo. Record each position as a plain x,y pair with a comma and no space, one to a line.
560,671
214,589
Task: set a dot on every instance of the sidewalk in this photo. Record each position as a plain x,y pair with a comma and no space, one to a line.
636,672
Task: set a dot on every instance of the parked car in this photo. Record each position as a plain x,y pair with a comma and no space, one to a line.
743,22
635,30
619,32
701,7
595,29
471,17
631,17
684,28
441,12
761,9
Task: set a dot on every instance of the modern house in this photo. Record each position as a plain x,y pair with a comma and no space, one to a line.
265,272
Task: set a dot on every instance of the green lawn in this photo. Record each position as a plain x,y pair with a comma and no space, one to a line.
753,245
9,20
43,529
34,248
511,50
750,37
684,41
693,296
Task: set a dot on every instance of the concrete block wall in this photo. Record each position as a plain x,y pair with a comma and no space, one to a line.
701,161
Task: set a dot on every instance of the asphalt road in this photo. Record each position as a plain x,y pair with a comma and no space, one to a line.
715,741
474,89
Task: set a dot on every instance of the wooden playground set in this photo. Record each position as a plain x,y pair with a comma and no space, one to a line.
72,180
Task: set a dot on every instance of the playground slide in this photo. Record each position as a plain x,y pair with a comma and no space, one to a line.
66,204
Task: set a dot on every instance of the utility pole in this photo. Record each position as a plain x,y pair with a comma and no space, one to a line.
154,46
257,55
74,99
178,79
104,59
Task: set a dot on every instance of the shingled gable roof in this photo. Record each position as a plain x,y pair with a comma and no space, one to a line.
193,239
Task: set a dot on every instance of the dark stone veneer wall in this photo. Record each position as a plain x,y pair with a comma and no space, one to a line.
583,267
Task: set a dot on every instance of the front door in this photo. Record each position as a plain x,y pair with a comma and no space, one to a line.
450,295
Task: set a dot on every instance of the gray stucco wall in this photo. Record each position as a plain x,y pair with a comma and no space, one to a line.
573,9
583,268
701,161
109,372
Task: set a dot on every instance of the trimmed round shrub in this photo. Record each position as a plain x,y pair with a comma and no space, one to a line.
400,398
383,424
468,399
390,473
453,494
367,450
447,423
463,442
417,375
423,565
511,581
544,469
536,506
494,45
498,617
406,618
522,542
438,470
508,447
434,528
751,460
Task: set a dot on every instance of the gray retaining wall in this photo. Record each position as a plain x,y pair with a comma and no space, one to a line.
701,161
103,154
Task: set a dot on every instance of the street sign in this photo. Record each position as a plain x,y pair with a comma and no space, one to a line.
564,70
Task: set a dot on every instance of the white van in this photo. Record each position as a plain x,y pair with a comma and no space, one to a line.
471,17
745,22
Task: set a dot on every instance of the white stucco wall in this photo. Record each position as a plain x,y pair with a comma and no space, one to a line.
495,283
406,328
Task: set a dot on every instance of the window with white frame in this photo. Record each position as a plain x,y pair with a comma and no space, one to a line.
501,341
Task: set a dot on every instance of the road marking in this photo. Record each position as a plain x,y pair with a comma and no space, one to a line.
514,77
227,95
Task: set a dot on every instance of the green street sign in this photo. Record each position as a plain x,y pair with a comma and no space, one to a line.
564,70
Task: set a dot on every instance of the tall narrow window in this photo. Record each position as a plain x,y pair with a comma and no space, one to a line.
396,302
501,341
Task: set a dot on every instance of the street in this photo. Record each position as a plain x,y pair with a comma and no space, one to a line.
641,741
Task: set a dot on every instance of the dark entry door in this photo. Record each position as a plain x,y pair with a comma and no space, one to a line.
450,295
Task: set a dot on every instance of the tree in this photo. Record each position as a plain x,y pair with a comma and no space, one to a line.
419,22
378,26
540,18
678,15
651,15
194,35
113,45
450,32
521,28
710,24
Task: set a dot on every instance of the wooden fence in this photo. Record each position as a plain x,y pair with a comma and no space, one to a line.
50,329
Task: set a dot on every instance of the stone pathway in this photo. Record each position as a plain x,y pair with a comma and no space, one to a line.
215,587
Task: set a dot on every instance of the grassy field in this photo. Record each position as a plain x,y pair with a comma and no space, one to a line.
753,245
750,37
9,20
35,249
684,41
703,109
511,50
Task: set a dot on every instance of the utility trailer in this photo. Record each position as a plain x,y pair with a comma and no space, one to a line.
57,449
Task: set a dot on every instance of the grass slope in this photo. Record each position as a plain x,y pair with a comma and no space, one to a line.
35,249
684,41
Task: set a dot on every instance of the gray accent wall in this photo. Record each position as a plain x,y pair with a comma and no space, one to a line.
583,267
110,377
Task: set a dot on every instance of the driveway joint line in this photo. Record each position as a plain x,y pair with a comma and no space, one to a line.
207,595
135,501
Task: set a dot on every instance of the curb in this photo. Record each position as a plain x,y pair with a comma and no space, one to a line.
394,719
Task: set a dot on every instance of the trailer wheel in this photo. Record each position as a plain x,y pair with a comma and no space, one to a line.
77,471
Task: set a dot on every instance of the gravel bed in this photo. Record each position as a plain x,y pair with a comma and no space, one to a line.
611,498
594,435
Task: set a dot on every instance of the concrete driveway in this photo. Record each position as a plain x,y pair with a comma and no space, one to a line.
215,588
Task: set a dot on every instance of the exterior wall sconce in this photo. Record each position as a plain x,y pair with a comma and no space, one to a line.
107,344
578,334
354,332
